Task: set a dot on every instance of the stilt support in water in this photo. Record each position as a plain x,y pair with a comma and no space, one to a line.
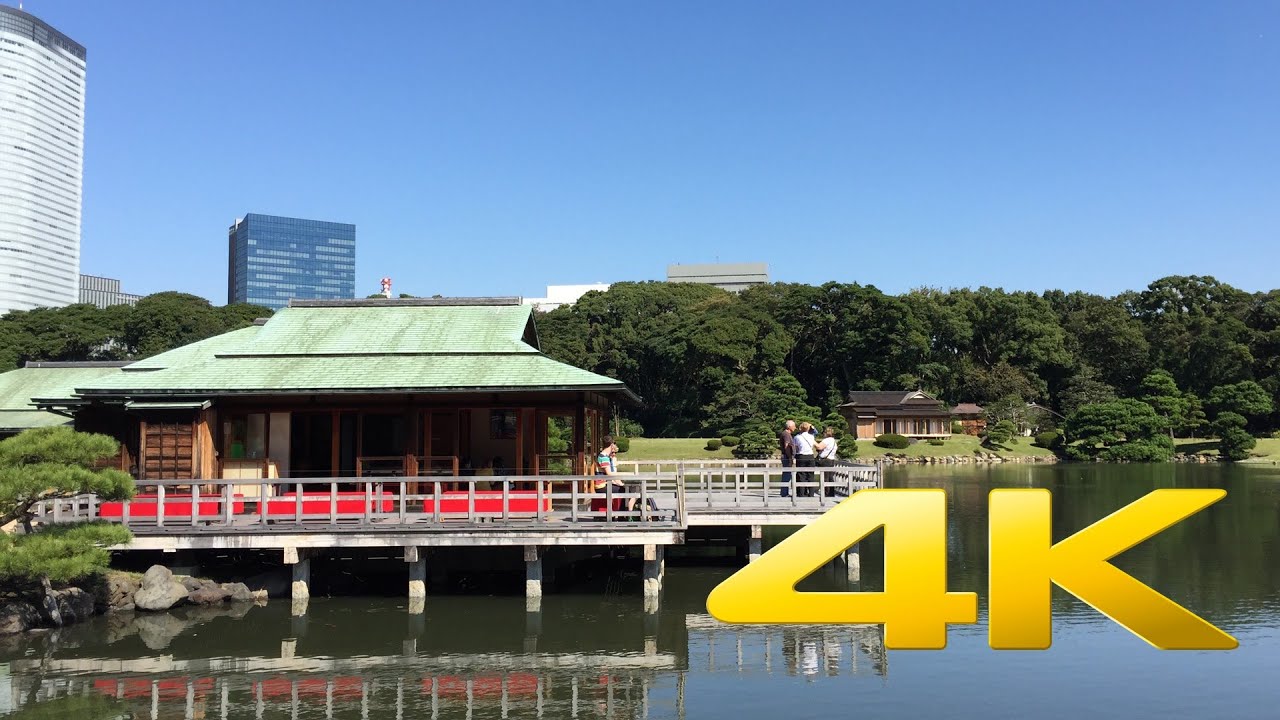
853,564
654,569
301,588
533,571
416,558
755,542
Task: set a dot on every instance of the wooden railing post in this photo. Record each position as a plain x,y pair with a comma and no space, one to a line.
160,505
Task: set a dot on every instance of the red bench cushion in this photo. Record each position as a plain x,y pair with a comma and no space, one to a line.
488,502
146,505
317,503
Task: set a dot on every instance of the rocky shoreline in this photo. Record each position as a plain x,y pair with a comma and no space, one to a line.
157,590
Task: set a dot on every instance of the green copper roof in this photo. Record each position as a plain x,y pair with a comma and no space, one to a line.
352,348
291,374
11,420
391,330
55,381
197,351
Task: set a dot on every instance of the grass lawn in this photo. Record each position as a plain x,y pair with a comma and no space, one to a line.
694,449
1267,450
954,445
672,449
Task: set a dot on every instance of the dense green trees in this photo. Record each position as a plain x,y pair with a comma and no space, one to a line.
157,323
708,362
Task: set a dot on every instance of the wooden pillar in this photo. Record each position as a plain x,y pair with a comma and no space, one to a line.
853,564
754,543
335,440
580,434
519,459
533,571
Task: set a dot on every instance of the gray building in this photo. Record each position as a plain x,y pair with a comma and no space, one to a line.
272,260
734,277
42,85
104,292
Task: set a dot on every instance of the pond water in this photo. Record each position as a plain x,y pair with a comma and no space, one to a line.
591,655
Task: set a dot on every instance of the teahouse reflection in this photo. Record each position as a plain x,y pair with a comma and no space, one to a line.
426,669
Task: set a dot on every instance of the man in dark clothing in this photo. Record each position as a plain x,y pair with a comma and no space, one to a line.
786,444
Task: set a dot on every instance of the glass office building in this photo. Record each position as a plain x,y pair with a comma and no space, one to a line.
274,259
42,86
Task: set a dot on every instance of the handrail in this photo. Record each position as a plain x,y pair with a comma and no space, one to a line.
417,503
424,503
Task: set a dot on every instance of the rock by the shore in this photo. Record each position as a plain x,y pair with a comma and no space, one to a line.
239,592
74,605
159,590
17,617
208,595
116,591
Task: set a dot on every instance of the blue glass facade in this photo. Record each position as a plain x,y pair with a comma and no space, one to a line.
273,259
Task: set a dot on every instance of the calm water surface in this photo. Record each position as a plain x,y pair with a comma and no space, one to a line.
599,655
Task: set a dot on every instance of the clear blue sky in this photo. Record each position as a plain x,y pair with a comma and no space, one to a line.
495,148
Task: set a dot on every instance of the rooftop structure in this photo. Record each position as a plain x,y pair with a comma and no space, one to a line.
104,292
559,295
734,277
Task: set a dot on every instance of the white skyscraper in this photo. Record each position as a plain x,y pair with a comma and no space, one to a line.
42,80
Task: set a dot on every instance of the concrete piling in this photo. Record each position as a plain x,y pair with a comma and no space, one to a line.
301,587
533,571
654,569
755,543
416,558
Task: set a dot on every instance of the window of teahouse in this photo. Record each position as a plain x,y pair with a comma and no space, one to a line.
244,437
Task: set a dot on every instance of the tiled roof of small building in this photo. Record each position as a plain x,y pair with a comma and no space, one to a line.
44,380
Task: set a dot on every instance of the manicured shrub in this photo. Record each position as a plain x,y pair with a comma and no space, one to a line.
1000,433
757,443
937,442
1047,438
713,444
957,427
623,443
730,441
893,441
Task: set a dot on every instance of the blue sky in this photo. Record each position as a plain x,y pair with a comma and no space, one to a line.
495,148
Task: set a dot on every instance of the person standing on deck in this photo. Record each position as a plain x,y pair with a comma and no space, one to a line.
826,448
786,444
804,458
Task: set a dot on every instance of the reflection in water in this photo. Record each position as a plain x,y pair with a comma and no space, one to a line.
604,656
426,672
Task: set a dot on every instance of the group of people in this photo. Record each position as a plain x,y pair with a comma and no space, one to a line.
800,447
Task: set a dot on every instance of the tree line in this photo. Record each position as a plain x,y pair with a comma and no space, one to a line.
157,323
1202,355
709,362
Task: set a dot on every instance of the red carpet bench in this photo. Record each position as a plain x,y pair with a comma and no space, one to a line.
316,505
175,506
488,502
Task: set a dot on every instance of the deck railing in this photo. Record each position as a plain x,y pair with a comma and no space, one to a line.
769,486
375,504
643,500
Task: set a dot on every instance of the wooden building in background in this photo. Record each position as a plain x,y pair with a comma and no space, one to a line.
913,413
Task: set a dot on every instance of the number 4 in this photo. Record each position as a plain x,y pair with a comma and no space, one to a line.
915,606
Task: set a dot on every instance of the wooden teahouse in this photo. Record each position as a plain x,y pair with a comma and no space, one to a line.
355,388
